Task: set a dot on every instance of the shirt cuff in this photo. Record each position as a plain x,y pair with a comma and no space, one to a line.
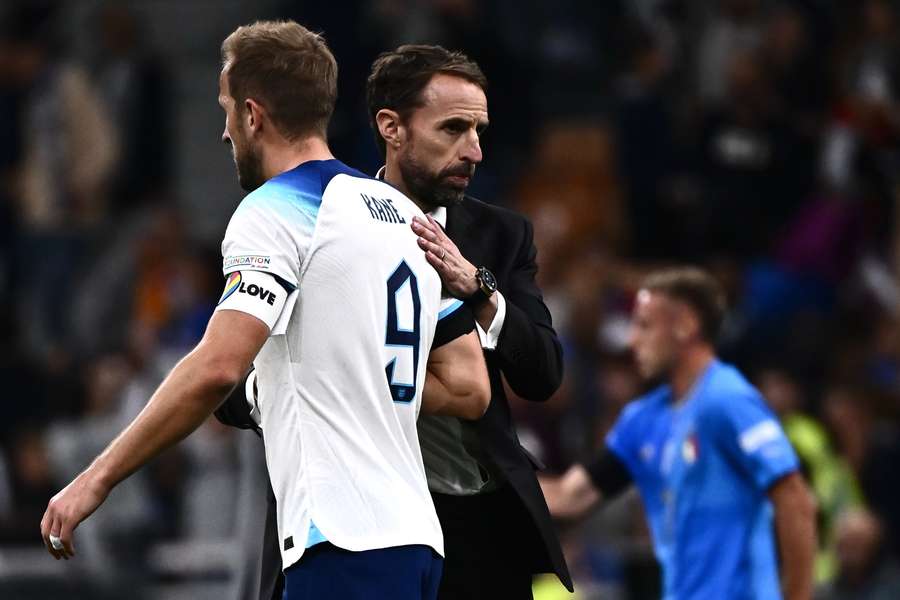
489,338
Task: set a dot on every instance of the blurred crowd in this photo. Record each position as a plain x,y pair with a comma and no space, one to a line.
757,138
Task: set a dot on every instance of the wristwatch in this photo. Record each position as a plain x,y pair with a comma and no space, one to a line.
487,285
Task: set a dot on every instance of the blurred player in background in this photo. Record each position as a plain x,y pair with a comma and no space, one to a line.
712,465
330,297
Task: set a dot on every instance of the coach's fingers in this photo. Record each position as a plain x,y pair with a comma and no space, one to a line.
436,227
441,235
439,265
424,229
437,249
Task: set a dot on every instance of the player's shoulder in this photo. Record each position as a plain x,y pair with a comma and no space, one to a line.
726,383
647,405
727,390
295,191
373,191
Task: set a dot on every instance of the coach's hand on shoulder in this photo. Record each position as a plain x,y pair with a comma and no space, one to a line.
72,505
457,273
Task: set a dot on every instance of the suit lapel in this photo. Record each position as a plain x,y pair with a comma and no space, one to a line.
459,227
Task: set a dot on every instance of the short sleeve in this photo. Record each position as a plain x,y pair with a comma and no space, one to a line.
609,473
752,436
622,439
455,319
271,235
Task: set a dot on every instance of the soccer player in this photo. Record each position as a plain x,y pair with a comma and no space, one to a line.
329,295
712,465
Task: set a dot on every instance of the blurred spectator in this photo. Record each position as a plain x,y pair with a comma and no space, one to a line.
733,29
573,200
112,400
32,484
69,148
864,571
646,148
831,480
758,168
871,447
135,91
798,79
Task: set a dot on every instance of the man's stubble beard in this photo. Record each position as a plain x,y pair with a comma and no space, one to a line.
427,187
248,163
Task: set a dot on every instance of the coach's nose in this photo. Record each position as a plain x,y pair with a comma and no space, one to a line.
471,148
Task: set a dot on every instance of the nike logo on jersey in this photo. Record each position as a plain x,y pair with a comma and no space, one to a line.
255,290
382,210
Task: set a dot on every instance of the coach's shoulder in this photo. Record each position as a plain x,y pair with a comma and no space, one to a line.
498,217
492,211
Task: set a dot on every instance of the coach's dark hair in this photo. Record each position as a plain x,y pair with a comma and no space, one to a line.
696,288
399,76
287,69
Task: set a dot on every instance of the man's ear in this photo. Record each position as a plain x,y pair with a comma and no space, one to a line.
253,116
687,325
390,127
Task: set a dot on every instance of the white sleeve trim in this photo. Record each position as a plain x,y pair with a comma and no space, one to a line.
490,337
753,438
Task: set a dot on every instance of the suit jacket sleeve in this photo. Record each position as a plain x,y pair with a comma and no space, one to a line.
528,349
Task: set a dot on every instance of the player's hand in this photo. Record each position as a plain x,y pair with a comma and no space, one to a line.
72,505
456,272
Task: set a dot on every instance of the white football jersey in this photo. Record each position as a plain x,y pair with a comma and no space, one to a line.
341,374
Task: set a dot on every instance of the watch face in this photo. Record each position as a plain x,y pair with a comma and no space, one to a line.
487,280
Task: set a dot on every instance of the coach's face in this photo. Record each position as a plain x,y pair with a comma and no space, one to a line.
654,334
247,159
440,144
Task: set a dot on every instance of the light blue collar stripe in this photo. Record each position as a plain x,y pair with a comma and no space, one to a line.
450,309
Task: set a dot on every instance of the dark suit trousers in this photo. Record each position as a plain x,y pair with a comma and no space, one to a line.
486,556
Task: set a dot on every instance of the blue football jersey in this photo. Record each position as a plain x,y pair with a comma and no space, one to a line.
703,468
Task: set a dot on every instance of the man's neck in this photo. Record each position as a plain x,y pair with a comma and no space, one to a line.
289,155
393,176
689,368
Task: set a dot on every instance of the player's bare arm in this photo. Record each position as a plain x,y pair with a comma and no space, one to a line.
190,393
456,381
795,527
571,496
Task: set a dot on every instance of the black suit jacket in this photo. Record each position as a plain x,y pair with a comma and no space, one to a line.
528,353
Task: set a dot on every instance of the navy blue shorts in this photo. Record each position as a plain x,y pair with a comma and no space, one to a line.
398,573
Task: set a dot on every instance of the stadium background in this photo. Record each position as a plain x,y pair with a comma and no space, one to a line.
757,138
